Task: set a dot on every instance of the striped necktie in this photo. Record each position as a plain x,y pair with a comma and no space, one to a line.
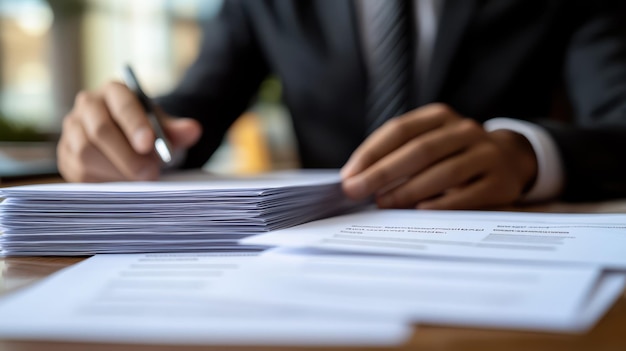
387,51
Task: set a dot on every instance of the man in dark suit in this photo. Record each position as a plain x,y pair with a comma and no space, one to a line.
407,96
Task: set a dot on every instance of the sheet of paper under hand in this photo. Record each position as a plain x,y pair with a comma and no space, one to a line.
598,239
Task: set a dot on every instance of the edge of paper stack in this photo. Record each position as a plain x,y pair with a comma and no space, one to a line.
190,212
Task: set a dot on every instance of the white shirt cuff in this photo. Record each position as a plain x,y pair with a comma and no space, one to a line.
549,182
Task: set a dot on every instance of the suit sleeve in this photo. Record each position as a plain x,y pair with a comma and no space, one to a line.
220,84
593,150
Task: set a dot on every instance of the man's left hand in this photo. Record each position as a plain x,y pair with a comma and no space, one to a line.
433,158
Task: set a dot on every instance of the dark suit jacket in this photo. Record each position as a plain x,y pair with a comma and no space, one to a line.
492,58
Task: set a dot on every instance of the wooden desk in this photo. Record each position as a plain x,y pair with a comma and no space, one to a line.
608,334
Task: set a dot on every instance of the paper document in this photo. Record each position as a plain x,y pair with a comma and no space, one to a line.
168,299
531,237
185,212
298,297
532,297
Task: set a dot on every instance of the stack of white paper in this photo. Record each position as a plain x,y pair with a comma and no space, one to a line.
182,213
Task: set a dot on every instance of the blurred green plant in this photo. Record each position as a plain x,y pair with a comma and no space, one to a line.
14,132
67,7
271,91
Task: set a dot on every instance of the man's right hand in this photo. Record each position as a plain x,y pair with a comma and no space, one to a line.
107,137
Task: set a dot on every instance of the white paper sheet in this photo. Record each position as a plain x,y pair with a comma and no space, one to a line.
534,297
166,298
532,237
195,183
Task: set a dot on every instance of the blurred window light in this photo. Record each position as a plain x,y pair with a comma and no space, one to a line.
160,36
50,49
34,17
25,82
194,9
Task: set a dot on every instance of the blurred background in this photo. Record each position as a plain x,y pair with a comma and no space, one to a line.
51,49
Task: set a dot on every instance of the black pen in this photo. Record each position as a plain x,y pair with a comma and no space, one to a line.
161,144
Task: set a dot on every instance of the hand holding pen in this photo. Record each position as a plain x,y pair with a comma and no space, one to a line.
118,134
161,143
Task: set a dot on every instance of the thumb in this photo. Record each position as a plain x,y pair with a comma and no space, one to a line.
182,132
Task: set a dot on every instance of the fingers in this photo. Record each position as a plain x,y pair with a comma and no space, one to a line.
435,158
448,174
475,179
95,144
79,160
413,157
484,193
182,132
512,165
394,134
108,138
127,112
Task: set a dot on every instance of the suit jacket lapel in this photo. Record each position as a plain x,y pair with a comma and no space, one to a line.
454,19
